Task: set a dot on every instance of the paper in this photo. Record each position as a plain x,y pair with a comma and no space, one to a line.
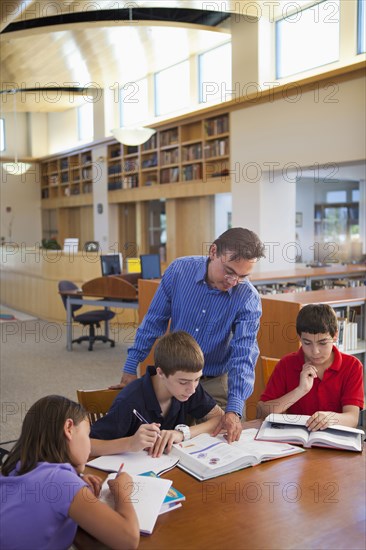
135,463
147,497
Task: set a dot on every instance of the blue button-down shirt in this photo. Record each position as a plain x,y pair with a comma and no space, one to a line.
224,323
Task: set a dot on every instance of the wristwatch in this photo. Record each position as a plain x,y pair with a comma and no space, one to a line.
185,431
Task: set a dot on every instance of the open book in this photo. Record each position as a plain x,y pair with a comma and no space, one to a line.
134,463
147,497
291,428
205,457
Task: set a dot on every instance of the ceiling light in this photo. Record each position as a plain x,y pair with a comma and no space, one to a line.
133,136
16,168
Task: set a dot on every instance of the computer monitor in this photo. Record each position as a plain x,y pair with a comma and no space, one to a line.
150,266
111,264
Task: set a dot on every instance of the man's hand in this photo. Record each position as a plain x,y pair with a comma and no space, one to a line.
125,380
165,442
230,423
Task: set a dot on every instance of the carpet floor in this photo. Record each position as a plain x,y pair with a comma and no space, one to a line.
35,363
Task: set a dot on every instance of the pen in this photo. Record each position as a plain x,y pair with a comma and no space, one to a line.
120,469
141,418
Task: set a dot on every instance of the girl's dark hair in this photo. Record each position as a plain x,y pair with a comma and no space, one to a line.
42,437
317,319
243,243
178,351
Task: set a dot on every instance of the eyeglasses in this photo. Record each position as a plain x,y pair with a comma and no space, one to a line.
231,278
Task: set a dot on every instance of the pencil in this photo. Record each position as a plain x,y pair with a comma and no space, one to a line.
120,469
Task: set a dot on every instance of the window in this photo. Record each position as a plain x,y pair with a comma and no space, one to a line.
337,196
134,106
337,223
85,122
215,75
361,26
172,89
2,134
307,39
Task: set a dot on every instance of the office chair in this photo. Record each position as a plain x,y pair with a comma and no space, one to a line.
268,365
96,402
90,318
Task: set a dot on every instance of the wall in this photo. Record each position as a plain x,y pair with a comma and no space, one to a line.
287,136
22,225
62,131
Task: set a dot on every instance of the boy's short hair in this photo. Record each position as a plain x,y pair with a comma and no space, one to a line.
317,319
178,351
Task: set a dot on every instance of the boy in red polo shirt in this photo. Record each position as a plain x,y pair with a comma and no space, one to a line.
318,380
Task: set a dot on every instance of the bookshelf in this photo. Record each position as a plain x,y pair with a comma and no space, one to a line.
186,152
67,176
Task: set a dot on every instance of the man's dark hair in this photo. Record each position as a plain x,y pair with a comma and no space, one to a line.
243,243
317,319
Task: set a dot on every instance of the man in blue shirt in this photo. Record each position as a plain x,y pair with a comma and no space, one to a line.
211,299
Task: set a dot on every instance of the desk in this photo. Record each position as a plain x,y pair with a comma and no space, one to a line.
314,500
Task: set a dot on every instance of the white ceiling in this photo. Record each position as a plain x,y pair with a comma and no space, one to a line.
100,52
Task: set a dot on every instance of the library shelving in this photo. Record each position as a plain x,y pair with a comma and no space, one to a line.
67,175
187,152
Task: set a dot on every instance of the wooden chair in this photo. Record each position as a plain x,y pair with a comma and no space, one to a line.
268,365
96,402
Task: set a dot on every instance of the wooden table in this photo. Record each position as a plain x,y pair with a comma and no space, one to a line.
314,500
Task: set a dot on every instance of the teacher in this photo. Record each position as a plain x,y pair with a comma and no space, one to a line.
212,299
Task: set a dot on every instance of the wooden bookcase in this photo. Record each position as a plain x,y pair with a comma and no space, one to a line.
67,176
187,152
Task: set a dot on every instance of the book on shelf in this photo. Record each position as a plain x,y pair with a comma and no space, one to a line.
135,463
147,497
347,335
173,499
291,428
206,457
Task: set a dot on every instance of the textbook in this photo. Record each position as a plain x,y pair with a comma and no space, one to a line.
291,428
147,497
205,457
134,463
173,497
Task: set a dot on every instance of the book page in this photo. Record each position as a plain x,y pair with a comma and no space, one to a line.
271,431
333,438
135,463
210,452
147,498
264,449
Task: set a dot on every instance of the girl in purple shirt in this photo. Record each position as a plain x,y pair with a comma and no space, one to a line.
43,497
